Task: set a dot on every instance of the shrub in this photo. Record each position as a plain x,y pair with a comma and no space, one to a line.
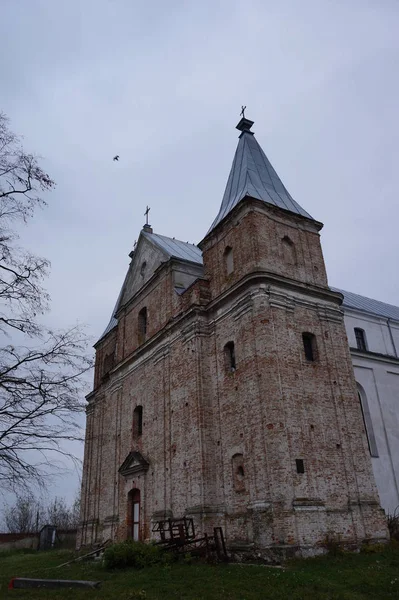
132,554
332,543
393,524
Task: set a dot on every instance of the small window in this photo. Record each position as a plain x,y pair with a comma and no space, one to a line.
142,325
143,268
300,467
230,357
360,339
137,422
309,346
229,260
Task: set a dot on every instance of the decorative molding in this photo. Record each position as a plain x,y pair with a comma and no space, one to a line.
111,519
199,509
333,315
308,504
161,354
243,306
133,464
162,514
374,356
197,327
278,300
260,505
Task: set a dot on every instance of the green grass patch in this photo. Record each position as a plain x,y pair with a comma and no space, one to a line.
372,575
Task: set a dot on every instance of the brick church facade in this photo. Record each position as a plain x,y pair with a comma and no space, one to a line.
224,388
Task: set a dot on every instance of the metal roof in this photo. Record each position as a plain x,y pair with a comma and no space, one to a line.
368,305
175,248
252,175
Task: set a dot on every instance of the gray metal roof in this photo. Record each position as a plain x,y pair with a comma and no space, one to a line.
253,175
175,248
368,305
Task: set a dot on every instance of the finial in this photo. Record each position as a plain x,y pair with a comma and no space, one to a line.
244,124
146,214
242,113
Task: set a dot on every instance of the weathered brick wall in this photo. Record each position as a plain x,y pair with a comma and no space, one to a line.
256,232
222,446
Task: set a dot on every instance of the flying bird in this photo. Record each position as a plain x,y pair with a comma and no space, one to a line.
116,157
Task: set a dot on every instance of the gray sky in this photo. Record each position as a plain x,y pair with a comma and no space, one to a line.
161,84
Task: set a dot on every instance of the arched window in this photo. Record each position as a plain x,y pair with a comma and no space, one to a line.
238,472
368,424
229,260
309,346
289,251
143,268
360,339
142,325
229,357
137,422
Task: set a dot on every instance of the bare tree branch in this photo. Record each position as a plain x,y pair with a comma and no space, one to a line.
40,370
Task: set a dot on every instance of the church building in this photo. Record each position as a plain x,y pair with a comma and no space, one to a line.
224,389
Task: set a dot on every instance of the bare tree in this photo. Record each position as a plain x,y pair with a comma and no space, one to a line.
58,513
25,516
28,514
40,369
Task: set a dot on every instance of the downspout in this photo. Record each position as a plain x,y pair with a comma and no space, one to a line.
392,340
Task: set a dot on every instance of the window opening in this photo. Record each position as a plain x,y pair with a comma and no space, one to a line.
300,467
137,422
360,339
142,325
309,346
229,260
230,357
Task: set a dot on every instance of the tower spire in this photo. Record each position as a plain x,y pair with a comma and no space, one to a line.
253,176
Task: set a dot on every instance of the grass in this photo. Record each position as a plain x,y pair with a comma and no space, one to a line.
349,577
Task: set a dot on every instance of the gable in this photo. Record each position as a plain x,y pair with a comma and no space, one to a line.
147,258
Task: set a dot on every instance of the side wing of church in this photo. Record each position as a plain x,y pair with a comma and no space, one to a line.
224,388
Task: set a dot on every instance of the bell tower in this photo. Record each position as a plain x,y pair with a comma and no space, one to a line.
293,457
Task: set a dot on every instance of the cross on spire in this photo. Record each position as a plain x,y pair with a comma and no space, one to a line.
242,113
146,214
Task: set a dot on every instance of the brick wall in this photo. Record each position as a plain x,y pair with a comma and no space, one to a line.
222,444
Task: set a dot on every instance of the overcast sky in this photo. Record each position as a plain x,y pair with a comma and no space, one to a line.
162,84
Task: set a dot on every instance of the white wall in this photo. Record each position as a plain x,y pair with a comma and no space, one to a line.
378,376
